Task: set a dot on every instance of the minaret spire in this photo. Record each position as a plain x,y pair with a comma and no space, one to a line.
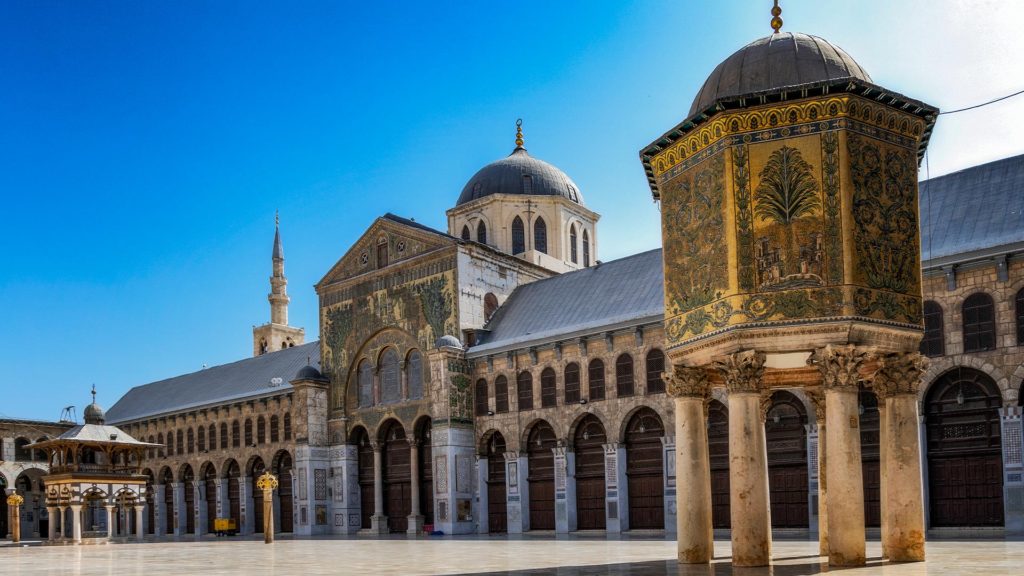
277,334
278,296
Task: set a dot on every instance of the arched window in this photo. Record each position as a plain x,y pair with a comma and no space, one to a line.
979,323
540,235
248,432
481,232
524,386
490,305
180,444
365,385
624,375
224,436
201,438
933,342
275,431
548,393
1020,317
572,243
261,430
191,441
518,236
501,394
390,377
170,443
236,437
586,249
414,375
21,454
595,380
212,439
149,451
655,366
572,383
287,426
465,232
480,397
382,254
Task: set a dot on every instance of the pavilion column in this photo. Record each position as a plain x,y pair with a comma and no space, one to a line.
63,511
110,521
749,503
883,433
76,523
140,531
817,397
691,390
839,367
415,519
897,382
52,512
379,522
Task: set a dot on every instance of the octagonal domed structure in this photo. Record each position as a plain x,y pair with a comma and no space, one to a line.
520,174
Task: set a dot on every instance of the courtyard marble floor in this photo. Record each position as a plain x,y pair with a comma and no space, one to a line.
574,556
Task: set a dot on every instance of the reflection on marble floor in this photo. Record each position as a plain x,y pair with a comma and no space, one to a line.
477,556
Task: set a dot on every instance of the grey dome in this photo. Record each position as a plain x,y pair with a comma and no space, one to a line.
777,61
448,342
508,176
308,373
94,414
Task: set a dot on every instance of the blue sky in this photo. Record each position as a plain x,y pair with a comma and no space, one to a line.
144,146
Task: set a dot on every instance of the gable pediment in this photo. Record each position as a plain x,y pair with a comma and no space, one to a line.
403,240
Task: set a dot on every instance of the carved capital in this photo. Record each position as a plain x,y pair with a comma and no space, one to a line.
687,382
742,371
898,374
839,366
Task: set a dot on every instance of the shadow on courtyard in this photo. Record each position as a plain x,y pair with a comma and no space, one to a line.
719,567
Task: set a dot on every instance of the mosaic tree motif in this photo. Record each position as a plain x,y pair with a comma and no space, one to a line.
786,197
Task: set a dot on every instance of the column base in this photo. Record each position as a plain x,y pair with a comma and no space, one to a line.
415,524
379,525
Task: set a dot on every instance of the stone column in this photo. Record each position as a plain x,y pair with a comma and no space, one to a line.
750,510
565,489
199,498
817,397
52,512
76,523
839,367
246,505
517,492
883,433
140,531
110,521
415,519
221,486
897,382
379,522
1013,470
691,390
178,495
159,510
616,509
63,521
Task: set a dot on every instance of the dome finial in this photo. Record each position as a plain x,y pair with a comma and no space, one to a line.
93,393
776,18
519,133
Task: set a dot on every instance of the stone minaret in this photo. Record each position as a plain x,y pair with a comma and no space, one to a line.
277,334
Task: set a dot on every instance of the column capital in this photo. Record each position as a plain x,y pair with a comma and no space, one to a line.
839,366
898,374
687,382
742,371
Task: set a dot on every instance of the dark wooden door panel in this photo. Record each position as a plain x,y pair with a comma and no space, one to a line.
542,504
367,503
497,507
590,503
646,502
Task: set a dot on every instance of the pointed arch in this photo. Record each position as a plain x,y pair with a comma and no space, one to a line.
540,235
572,244
586,249
465,232
518,236
481,232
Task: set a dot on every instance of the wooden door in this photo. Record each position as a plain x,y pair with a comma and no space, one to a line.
589,441
497,506
787,461
541,476
211,502
234,500
190,507
397,495
366,491
718,452
426,472
284,492
965,465
645,472
869,454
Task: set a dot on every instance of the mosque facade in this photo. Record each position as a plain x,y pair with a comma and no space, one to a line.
497,377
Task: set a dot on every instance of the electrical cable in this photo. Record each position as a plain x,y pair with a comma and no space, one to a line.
1018,93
